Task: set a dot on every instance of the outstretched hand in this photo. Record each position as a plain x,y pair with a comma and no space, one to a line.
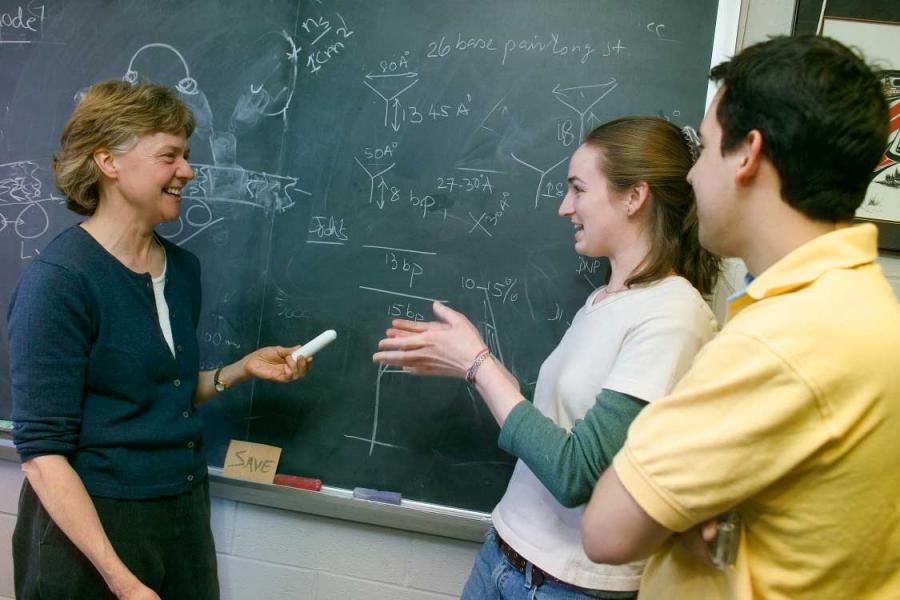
443,347
274,363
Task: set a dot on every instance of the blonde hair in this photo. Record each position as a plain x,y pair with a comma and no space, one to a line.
652,150
112,115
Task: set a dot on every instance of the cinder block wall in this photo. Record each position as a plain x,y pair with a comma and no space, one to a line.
10,482
290,555
270,554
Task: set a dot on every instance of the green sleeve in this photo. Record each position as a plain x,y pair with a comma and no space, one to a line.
569,463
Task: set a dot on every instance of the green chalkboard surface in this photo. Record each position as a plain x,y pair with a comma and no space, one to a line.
356,160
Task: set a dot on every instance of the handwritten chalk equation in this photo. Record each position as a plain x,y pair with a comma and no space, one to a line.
504,290
479,182
401,310
409,263
486,222
406,262
551,44
326,40
403,264
425,204
394,77
383,194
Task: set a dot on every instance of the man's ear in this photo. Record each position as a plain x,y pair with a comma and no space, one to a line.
750,157
637,197
106,162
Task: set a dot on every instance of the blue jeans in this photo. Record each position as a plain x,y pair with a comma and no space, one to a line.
493,578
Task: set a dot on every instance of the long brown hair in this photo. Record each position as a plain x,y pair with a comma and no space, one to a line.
653,150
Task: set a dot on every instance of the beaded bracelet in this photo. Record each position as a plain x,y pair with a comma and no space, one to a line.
479,358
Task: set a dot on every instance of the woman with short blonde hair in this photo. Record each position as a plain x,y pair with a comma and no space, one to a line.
105,368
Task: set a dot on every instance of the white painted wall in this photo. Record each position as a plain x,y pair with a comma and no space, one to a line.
890,264
765,18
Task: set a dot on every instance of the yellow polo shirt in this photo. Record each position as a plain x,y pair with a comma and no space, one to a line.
791,415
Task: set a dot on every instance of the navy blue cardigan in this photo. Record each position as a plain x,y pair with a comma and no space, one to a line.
92,376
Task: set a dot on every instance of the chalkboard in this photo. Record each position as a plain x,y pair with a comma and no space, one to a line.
355,161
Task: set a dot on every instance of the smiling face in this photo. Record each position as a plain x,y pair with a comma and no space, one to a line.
712,178
152,173
598,213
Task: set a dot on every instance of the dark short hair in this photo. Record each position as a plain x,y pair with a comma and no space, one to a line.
112,115
822,115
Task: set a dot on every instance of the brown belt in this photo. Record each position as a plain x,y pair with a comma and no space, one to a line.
538,576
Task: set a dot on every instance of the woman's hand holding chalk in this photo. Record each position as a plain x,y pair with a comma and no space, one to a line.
315,344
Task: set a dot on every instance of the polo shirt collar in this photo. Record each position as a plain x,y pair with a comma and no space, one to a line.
843,248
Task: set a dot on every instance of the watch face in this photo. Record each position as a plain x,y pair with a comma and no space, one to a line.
220,387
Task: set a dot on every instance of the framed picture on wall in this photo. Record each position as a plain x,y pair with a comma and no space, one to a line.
873,27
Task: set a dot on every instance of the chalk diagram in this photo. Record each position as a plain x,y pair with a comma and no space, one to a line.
372,439
580,99
225,182
388,87
22,204
543,173
487,327
378,176
503,291
259,101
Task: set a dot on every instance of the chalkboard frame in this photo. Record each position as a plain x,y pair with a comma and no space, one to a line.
413,516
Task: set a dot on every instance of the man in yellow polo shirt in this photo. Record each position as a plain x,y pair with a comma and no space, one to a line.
790,417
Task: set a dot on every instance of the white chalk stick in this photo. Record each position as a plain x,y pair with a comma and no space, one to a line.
315,344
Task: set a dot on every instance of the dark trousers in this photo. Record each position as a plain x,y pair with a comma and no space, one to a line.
166,542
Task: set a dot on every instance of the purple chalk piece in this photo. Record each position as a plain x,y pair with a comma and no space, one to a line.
376,495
